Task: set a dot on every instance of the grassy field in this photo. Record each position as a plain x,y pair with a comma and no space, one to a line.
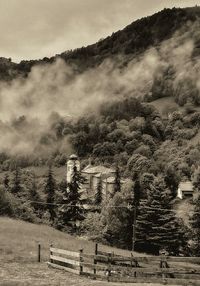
196,139
168,104
18,255
165,104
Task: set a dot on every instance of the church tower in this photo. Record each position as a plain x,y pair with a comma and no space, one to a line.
71,163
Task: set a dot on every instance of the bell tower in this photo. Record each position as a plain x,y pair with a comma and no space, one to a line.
71,163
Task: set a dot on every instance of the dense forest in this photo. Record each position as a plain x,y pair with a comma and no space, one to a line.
122,125
155,153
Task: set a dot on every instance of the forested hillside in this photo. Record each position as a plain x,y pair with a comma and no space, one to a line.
42,101
134,39
97,102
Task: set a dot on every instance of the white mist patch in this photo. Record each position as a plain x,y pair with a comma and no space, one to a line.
56,88
26,105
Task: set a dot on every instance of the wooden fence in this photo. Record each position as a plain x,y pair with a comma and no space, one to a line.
116,268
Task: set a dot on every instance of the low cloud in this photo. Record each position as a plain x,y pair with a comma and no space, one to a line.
29,106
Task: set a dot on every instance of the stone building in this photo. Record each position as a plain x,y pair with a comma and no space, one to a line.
93,175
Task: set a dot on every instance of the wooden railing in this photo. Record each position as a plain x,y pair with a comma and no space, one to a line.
65,260
116,268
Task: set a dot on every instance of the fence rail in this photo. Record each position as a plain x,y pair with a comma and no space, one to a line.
117,268
65,252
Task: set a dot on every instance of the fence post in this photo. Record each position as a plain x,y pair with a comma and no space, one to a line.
81,260
96,249
133,260
109,265
51,253
163,264
95,261
39,252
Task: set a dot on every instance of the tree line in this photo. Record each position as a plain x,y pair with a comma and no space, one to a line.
108,220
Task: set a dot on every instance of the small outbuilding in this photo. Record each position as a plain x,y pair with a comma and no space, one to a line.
185,190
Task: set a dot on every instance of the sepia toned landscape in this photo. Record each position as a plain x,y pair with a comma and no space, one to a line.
100,143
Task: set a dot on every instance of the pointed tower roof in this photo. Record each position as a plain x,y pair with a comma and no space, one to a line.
73,157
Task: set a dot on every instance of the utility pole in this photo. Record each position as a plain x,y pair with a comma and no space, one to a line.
134,229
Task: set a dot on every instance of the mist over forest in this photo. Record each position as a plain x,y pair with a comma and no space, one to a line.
35,106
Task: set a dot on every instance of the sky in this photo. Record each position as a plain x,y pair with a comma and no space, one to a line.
33,29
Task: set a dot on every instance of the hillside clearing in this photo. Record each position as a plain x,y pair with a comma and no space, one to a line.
195,140
165,105
18,255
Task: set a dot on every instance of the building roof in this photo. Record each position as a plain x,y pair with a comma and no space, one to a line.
186,186
97,170
73,157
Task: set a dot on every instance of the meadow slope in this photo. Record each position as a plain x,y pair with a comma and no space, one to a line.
18,255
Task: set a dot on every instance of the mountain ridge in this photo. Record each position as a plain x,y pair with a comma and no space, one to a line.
130,41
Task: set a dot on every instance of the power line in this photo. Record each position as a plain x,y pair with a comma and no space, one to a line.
69,205
100,207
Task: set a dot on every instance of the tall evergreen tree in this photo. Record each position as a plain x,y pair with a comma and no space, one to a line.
72,211
6,182
136,189
62,216
195,223
98,195
196,179
157,226
119,219
17,187
34,197
134,205
117,183
171,180
6,206
50,188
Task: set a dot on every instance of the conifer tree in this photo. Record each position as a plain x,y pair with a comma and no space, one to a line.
6,182
72,209
119,219
134,204
136,190
171,180
195,223
117,184
98,195
6,207
62,217
17,188
196,179
157,227
34,196
50,188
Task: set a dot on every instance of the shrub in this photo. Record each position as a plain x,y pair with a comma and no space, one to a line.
93,226
6,206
